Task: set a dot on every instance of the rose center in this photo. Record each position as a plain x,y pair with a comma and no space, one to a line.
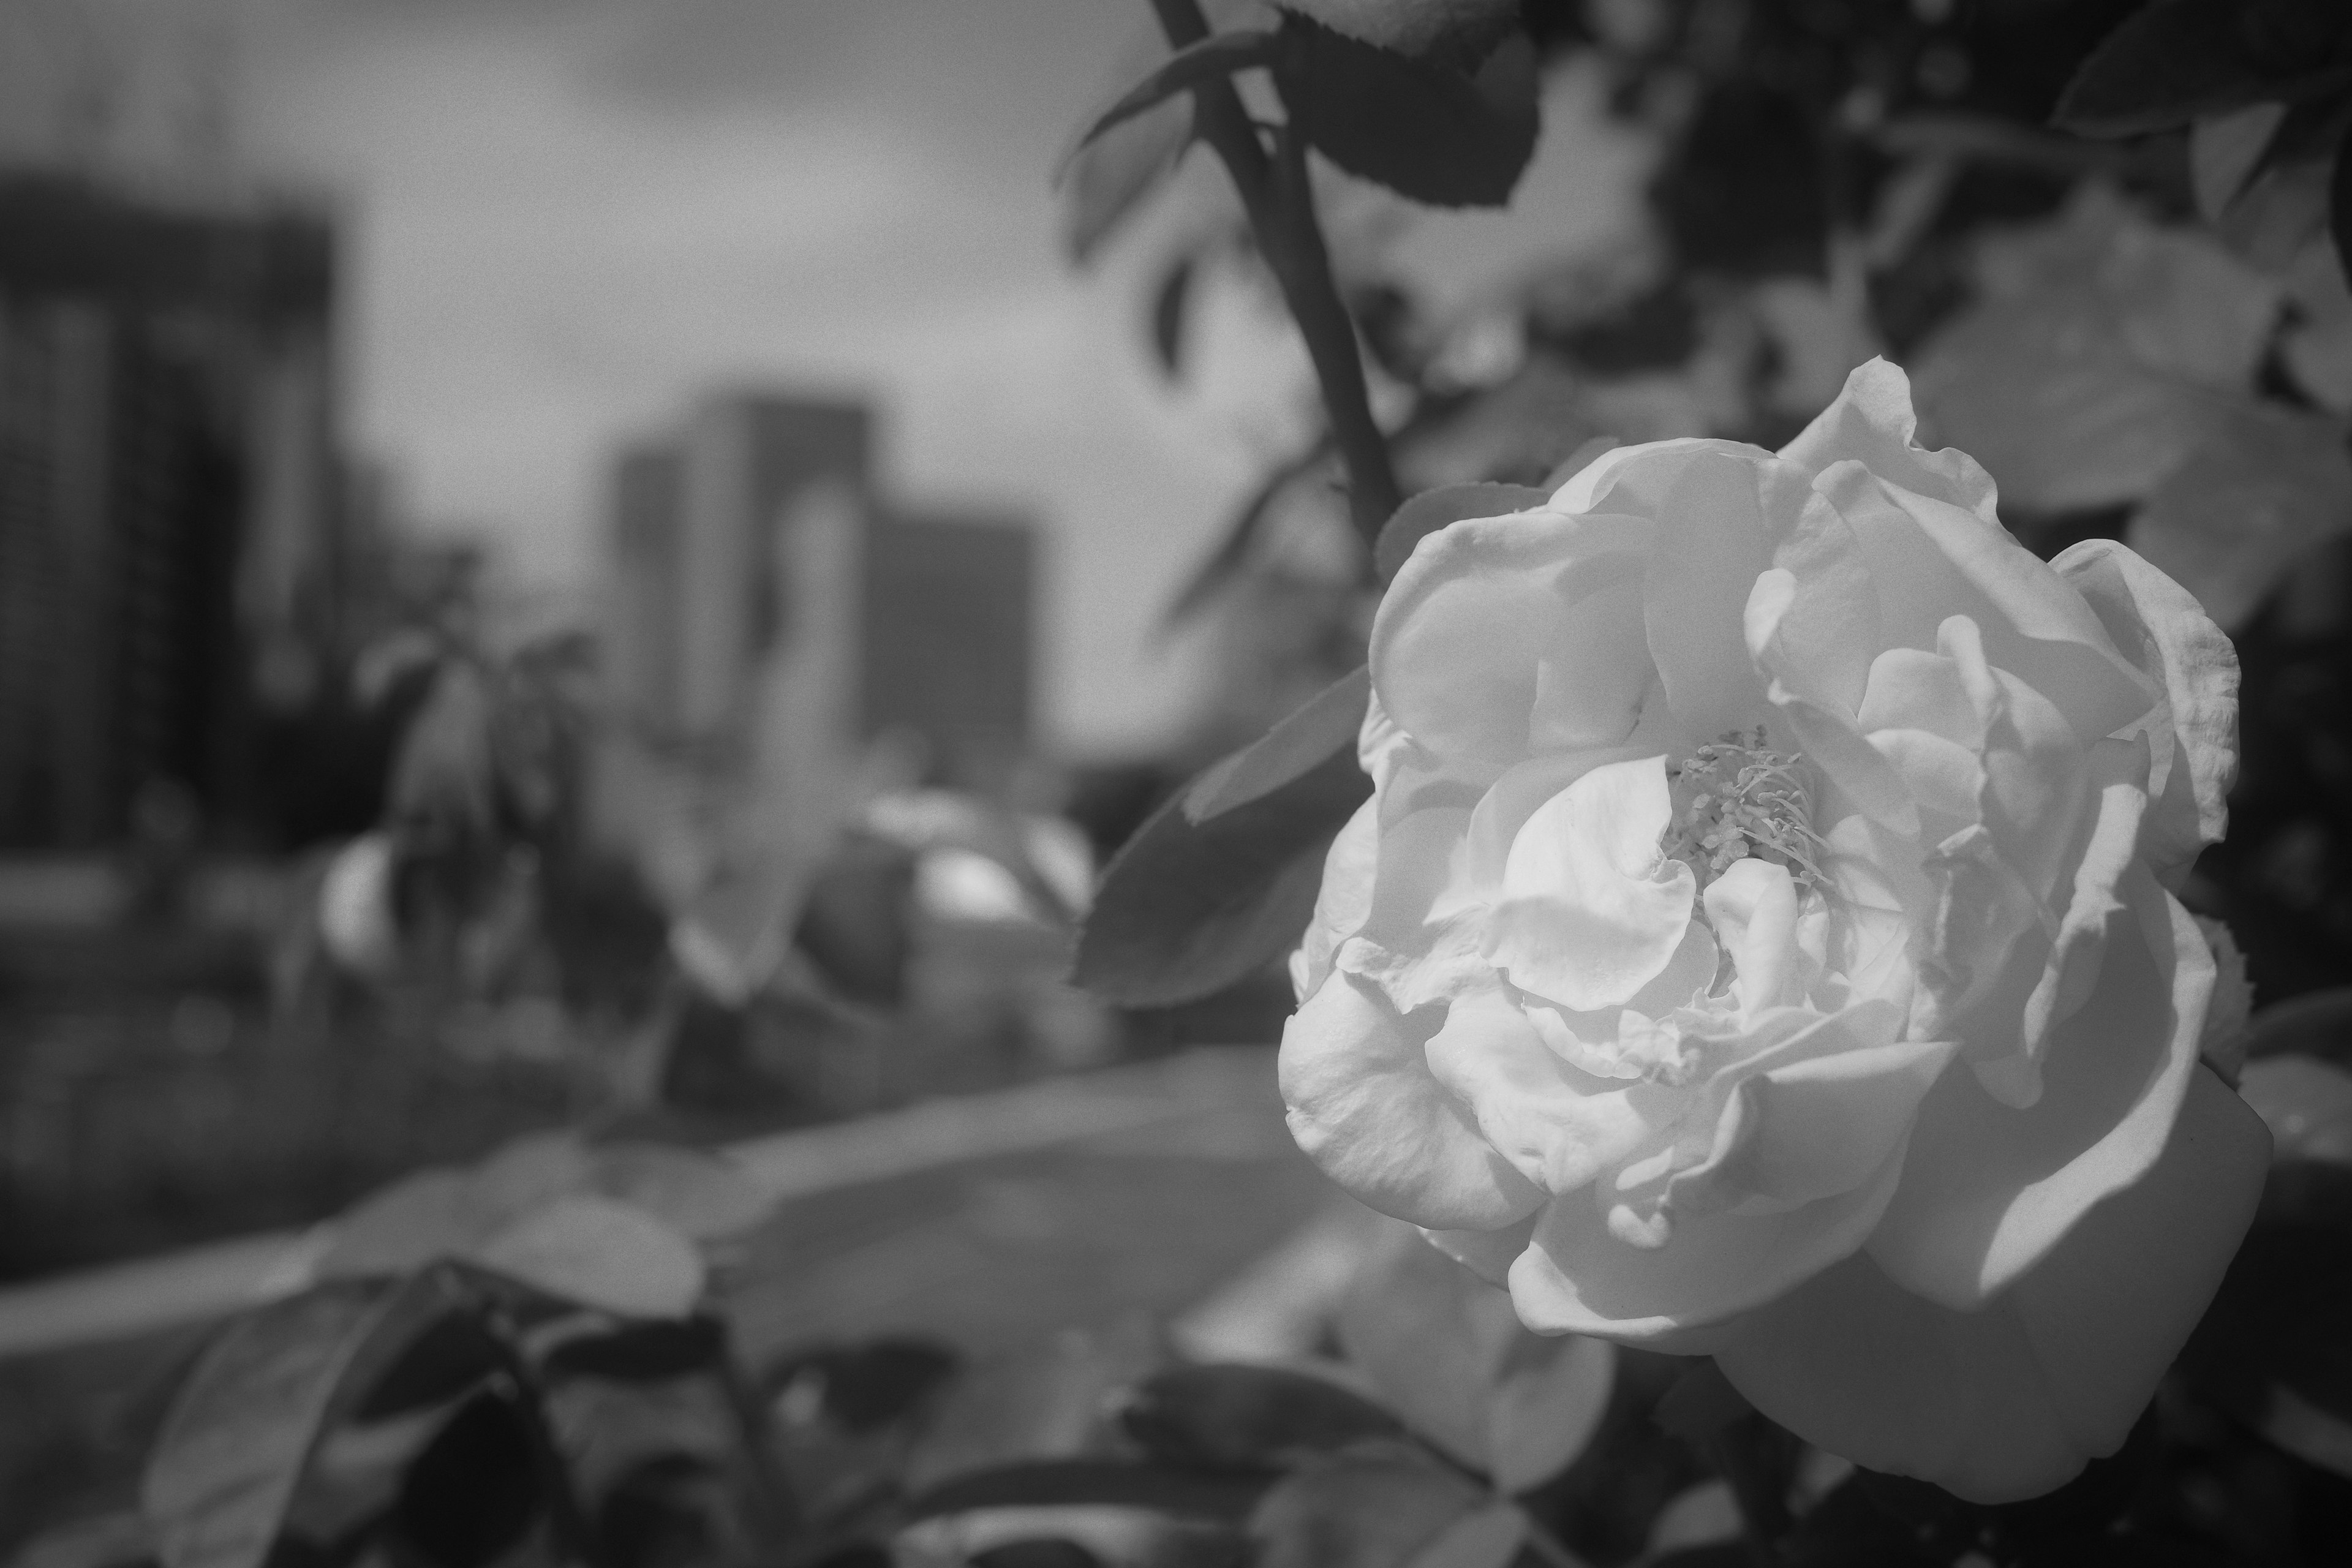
1734,797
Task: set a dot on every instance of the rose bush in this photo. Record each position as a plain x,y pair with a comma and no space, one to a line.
1759,942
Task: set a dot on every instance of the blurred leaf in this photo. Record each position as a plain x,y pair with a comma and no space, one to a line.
1049,1402
109,1541
863,1387
1488,1537
2339,204
451,1354
607,1430
2225,149
1427,1333
1426,131
1447,1352
402,1226
1212,60
2272,1348
1109,177
1701,1403
704,1195
2180,58
1430,510
1061,1483
2264,487
1168,303
1378,1507
641,1352
1239,1418
2316,1024
2308,1105
1297,745
474,1490
526,1174
1544,1404
1461,31
1232,550
1186,908
600,1253
1074,1535
445,772
232,1450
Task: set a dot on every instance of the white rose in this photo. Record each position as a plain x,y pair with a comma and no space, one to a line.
1758,942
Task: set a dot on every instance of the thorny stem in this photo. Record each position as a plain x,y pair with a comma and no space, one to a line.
1275,195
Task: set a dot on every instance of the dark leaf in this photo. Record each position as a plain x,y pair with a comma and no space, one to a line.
1061,1483
233,1448
862,1387
1489,1537
1242,1417
1295,746
1461,31
640,1352
2271,1348
1375,1508
2316,1024
110,1540
1213,59
1701,1403
1167,314
1422,129
1430,510
2180,58
448,1357
473,1492
1186,908
2339,204
1107,179
1225,562
1044,1553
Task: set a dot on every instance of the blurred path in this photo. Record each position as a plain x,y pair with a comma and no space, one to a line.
984,1219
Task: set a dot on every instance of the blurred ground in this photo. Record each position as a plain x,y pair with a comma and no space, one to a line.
1181,1175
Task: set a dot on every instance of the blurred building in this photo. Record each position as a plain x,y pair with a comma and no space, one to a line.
167,472
768,611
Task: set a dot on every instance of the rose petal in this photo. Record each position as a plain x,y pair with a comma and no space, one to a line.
2009,1066
1364,1107
1591,911
1820,728
2160,626
1488,1254
1712,541
1461,637
1557,1126
1871,421
1814,1128
1344,901
1991,1190
1929,560
1577,1277
1753,906
2010,1401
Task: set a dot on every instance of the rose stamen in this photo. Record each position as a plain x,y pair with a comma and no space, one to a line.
1744,800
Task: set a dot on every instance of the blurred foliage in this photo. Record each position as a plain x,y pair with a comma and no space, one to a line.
528,1361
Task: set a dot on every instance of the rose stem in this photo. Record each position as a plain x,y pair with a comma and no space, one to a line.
1275,195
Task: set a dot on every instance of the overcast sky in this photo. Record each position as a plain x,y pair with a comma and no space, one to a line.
568,218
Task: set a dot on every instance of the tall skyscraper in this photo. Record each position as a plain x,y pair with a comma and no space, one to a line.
768,614
165,475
